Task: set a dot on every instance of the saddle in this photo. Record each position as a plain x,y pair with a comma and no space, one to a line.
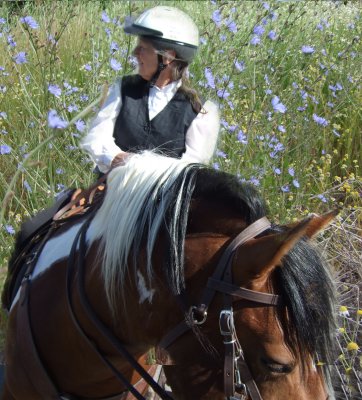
71,204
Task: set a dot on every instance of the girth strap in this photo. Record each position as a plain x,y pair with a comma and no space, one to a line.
32,362
27,347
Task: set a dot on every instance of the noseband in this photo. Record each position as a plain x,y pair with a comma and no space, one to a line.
238,381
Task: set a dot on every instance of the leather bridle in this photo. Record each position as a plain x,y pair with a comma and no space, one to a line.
238,380
236,371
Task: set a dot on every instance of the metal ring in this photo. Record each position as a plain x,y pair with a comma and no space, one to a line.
198,315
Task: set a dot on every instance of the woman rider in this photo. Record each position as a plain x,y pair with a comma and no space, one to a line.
156,109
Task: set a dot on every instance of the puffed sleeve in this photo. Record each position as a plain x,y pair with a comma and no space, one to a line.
202,135
99,142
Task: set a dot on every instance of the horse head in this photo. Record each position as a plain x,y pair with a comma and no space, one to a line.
275,344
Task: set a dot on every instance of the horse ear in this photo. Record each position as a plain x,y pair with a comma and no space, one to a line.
320,222
260,256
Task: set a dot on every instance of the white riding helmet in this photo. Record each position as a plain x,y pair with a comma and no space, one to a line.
168,28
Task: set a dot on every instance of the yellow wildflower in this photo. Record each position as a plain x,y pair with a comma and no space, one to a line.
341,330
359,312
351,346
320,364
343,311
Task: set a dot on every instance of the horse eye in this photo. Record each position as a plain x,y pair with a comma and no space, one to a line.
277,368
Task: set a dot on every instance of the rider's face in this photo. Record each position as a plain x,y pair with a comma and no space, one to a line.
146,58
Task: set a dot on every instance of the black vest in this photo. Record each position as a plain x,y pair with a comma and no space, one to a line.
166,132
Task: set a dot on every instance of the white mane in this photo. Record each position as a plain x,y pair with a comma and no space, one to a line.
135,193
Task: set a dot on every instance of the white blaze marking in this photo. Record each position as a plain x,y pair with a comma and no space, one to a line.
144,293
54,250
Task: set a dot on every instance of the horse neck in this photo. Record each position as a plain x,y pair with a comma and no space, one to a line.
149,309
213,216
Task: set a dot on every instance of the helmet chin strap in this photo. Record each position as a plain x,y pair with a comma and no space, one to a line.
160,68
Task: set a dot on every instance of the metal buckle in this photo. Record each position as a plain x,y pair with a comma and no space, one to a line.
226,316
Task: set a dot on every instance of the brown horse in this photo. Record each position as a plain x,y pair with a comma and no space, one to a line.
182,258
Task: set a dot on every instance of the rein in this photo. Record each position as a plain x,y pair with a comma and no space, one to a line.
236,371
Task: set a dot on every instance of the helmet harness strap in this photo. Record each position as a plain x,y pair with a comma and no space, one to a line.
161,66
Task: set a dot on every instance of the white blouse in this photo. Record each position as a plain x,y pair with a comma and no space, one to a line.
201,137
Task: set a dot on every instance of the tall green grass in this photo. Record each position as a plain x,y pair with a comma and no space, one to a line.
304,155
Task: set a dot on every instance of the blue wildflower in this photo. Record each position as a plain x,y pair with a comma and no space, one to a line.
2,21
242,138
210,78
281,128
277,105
285,188
296,183
51,39
216,166
224,123
30,22
83,98
231,25
217,18
114,47
55,90
5,149
72,108
258,30
55,122
255,40
277,171
203,40
80,125
115,65
220,153
20,58
304,94
223,93
105,17
307,49
88,67
272,35
322,198
27,186
254,181
3,115
320,120
240,66
10,230
11,41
